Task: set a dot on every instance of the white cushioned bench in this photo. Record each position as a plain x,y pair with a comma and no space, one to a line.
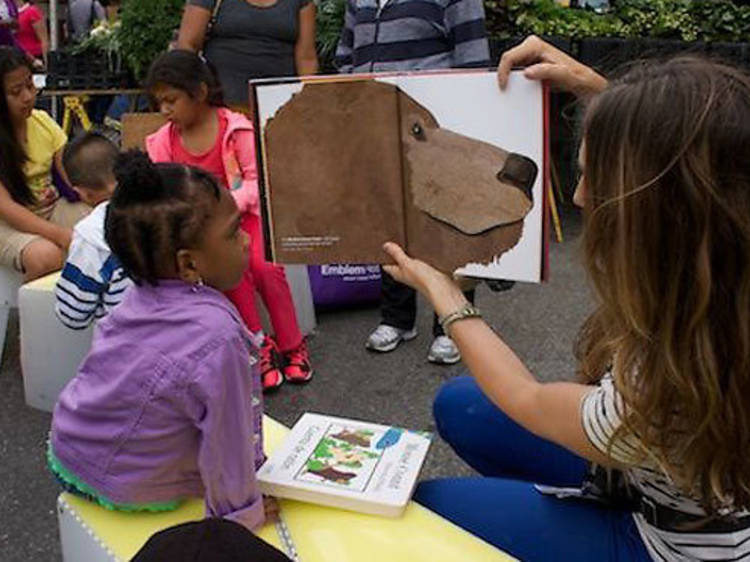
52,352
10,281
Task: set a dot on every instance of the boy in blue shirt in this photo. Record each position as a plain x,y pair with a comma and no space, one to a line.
92,281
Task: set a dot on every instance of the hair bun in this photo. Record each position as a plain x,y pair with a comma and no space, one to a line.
138,179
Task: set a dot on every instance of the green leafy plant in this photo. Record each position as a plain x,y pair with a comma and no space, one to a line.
546,17
104,39
665,19
498,19
329,23
722,20
147,27
687,20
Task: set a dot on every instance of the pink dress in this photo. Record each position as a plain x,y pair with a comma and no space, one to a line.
232,160
26,37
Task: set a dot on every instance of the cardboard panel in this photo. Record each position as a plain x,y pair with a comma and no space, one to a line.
137,126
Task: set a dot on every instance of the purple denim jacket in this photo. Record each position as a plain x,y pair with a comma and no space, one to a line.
167,405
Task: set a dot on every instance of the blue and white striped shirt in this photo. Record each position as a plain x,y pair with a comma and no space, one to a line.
92,281
403,35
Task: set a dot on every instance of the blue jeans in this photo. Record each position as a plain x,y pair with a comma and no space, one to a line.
502,506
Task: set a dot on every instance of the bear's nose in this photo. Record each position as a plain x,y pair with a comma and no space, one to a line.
520,172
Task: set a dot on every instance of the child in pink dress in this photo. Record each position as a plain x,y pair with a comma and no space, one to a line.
202,132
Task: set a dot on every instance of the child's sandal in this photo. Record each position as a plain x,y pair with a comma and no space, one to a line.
270,372
297,368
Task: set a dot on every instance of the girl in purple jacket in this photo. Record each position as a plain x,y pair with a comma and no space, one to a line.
168,403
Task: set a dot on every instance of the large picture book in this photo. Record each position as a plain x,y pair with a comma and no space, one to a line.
443,163
346,463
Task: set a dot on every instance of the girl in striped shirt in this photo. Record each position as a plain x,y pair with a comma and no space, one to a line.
658,427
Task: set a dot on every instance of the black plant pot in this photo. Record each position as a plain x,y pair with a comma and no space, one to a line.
664,48
565,44
499,45
737,54
83,71
606,53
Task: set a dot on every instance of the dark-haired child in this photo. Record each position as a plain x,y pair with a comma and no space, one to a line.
202,132
92,281
168,403
35,223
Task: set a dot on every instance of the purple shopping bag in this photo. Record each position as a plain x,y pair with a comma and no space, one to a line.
339,285
62,186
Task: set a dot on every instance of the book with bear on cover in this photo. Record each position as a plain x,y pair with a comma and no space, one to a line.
345,463
443,163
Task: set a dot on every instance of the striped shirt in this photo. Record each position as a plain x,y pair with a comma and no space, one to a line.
92,281
412,35
601,411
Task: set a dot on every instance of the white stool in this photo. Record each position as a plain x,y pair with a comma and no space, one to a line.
50,351
299,285
10,281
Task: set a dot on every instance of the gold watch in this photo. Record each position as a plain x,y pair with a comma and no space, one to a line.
466,311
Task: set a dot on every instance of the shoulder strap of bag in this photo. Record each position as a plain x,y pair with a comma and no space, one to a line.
214,15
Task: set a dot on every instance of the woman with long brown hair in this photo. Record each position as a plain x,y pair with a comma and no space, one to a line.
657,430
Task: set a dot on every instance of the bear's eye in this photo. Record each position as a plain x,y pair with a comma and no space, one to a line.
417,131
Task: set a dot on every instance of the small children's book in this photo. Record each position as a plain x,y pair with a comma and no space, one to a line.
442,163
347,464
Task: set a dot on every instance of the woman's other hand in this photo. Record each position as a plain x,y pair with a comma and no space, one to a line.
542,61
63,237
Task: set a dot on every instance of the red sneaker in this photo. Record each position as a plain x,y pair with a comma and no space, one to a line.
297,368
270,363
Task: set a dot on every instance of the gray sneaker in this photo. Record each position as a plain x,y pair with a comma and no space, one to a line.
386,338
443,351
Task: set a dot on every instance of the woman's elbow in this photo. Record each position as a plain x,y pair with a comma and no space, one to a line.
307,64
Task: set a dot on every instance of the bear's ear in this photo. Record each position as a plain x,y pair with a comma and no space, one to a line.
413,113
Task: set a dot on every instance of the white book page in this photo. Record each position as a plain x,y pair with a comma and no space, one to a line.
473,105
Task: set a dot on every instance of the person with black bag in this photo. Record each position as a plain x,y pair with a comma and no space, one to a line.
246,39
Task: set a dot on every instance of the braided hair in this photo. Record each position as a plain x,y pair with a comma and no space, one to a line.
156,210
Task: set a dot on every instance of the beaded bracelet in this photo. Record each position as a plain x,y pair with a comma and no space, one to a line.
466,311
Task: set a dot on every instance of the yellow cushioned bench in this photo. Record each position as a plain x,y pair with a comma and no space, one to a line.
320,534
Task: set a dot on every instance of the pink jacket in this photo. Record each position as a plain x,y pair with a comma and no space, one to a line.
238,155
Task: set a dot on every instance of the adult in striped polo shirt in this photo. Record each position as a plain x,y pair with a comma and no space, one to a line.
400,35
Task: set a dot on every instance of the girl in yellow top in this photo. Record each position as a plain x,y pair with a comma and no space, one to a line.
35,223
